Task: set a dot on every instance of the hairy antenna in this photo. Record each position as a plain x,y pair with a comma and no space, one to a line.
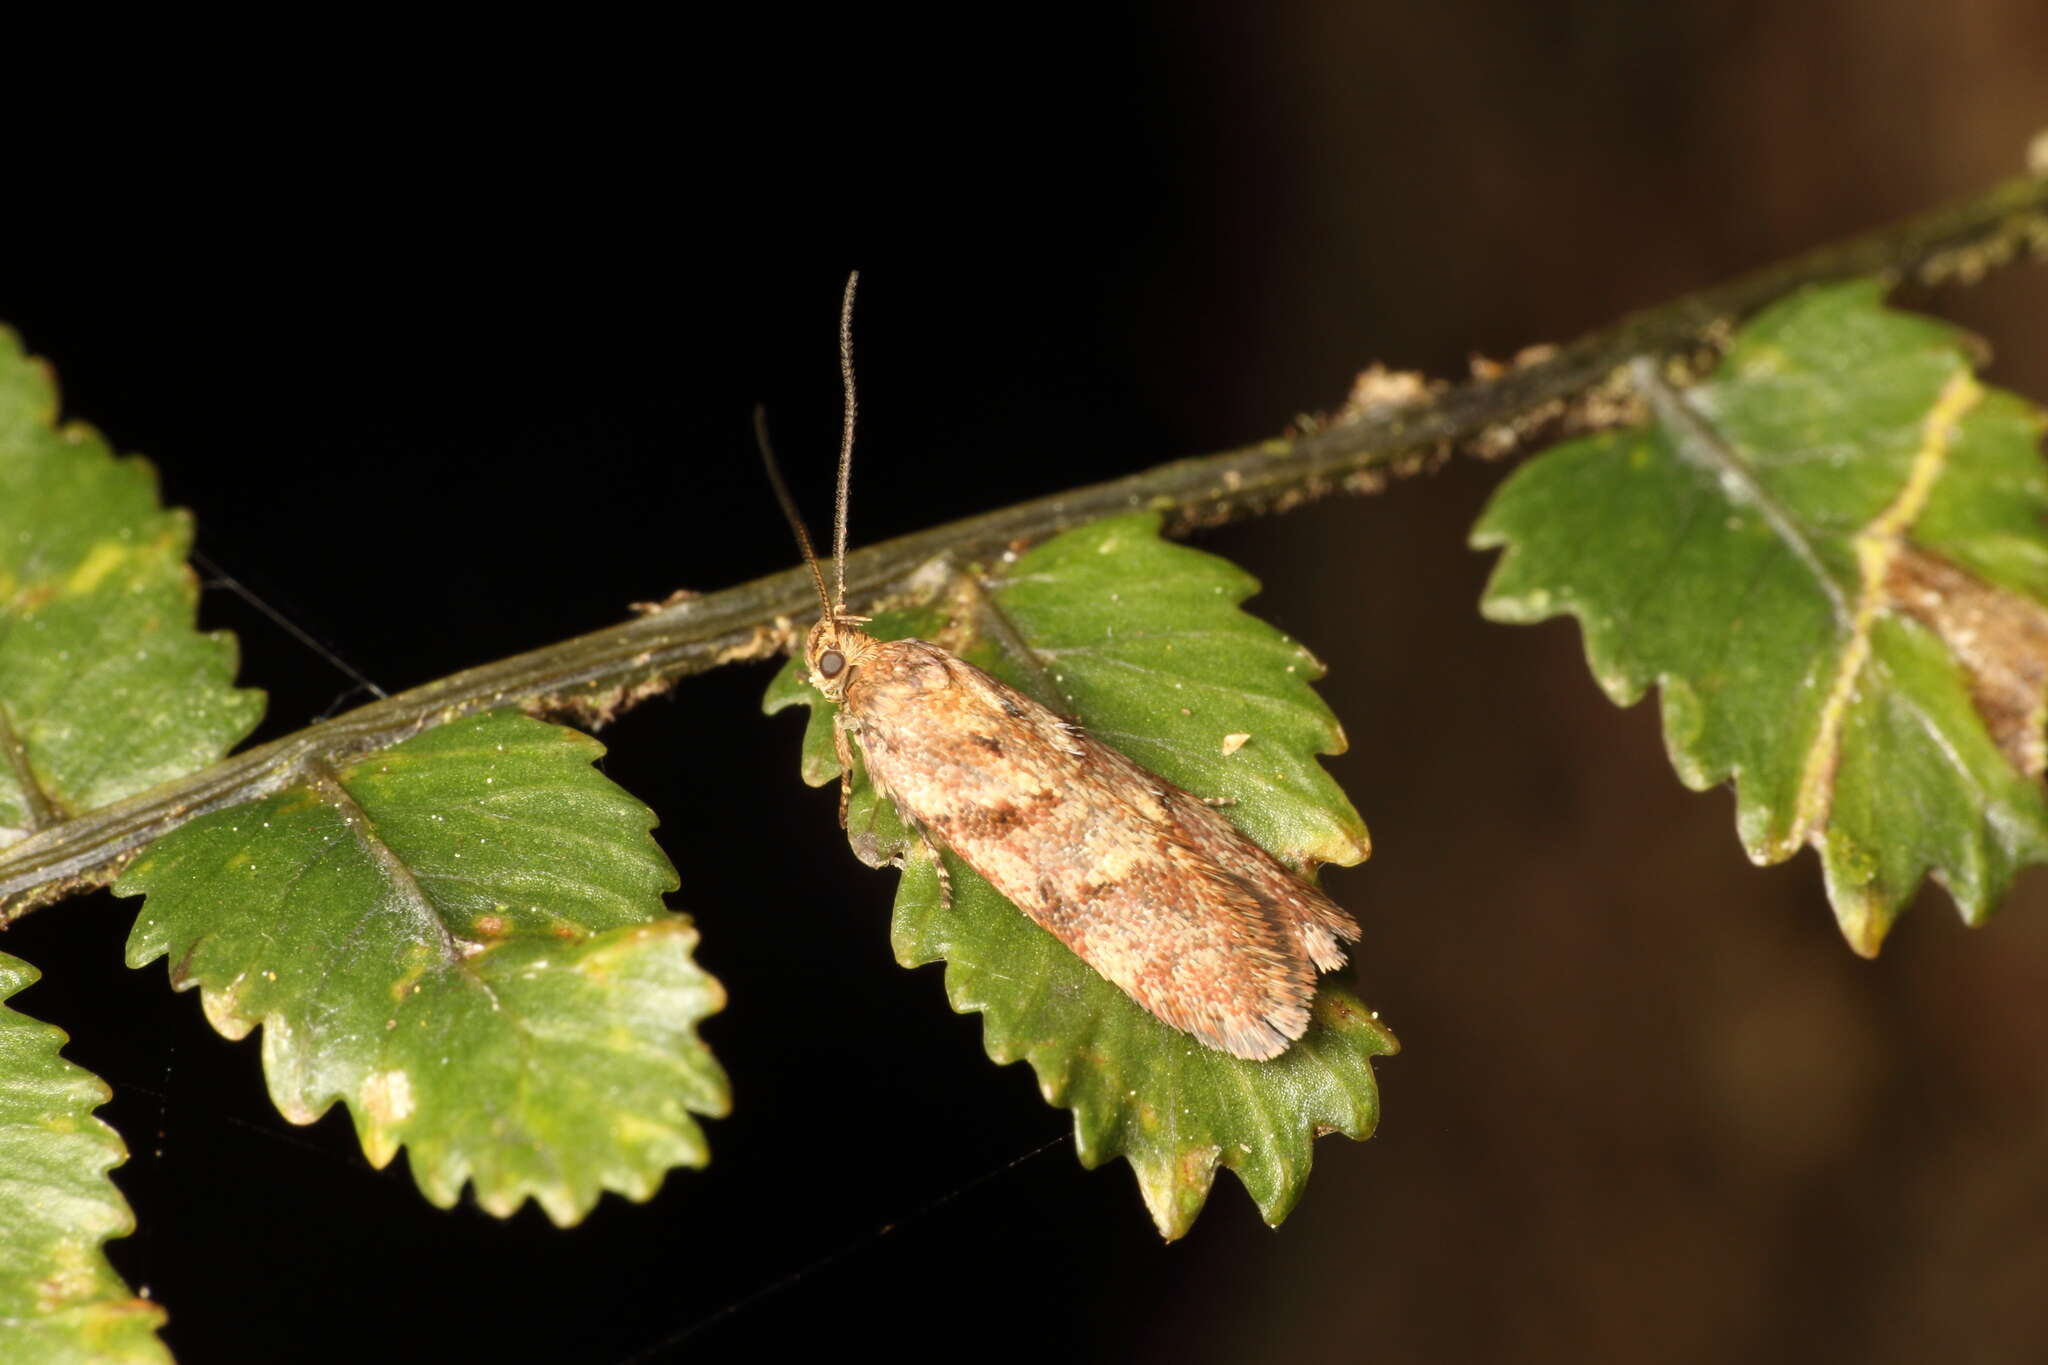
796,518
845,437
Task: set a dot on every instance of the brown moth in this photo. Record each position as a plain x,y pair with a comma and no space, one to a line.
1145,882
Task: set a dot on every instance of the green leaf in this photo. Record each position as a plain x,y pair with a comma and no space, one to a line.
461,937
59,1299
1831,558
1143,641
105,686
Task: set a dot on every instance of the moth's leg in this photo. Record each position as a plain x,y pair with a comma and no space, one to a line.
938,857
1168,795
842,748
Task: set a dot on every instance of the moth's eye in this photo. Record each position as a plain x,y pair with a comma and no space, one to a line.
831,662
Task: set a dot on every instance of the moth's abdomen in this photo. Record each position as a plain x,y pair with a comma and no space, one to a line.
1143,882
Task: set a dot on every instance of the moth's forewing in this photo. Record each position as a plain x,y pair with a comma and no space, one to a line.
1141,880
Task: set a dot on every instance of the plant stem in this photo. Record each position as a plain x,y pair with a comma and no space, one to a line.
596,675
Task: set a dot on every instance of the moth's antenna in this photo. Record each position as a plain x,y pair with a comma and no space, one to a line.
782,495
845,436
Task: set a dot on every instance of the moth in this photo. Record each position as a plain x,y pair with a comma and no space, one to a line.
1144,881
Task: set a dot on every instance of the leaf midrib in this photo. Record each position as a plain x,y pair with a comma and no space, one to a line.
325,784
1875,544
1699,443
41,810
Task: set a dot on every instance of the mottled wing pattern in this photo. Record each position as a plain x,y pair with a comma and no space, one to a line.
1317,925
1143,881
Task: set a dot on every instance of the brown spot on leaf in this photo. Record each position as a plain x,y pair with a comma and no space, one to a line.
386,1097
1999,637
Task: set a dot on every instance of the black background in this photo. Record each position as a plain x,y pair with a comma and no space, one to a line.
450,343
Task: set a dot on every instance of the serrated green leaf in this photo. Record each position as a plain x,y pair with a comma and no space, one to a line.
1143,641
105,686
1831,557
461,937
60,1301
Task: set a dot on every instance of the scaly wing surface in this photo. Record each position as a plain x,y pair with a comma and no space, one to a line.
1143,881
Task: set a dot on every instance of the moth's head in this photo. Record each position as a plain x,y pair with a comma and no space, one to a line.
836,646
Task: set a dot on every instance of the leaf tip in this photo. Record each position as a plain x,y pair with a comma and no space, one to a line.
1863,918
